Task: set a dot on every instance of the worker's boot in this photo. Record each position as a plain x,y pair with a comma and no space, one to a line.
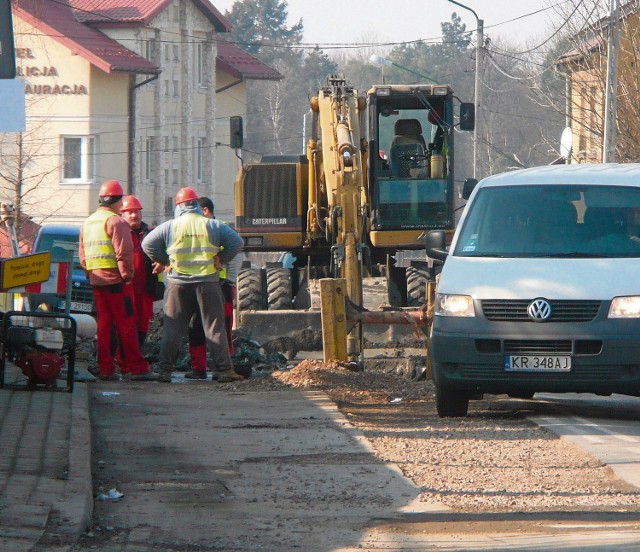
227,376
196,374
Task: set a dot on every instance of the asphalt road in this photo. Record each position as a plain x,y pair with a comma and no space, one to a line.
205,468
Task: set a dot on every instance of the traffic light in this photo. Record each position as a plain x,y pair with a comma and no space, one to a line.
235,132
7,49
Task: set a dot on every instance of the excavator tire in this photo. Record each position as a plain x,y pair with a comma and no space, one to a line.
279,290
250,293
416,286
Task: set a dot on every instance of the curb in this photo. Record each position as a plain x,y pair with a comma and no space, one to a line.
80,477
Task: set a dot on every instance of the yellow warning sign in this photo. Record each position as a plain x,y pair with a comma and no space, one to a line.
28,269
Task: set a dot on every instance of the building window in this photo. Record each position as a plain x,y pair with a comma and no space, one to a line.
149,48
176,52
176,88
168,207
166,52
175,144
200,159
166,144
150,147
199,63
176,178
78,158
166,88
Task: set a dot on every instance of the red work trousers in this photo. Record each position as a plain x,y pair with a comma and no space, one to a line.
115,307
198,343
144,312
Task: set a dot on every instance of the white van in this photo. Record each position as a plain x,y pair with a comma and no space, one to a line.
540,289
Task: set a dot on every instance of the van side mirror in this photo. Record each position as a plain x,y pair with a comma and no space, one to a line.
235,132
468,186
467,116
436,245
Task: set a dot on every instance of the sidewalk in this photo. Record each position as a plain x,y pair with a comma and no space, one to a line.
46,497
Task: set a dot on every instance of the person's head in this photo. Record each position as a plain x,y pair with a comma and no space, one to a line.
207,207
131,211
110,195
187,197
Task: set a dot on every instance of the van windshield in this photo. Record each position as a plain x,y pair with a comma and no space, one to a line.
552,221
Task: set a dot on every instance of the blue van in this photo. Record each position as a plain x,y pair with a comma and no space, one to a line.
63,241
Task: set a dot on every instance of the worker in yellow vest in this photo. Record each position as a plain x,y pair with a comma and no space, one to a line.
197,341
189,244
106,253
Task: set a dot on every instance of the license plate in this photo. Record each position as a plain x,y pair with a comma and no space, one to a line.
537,363
77,306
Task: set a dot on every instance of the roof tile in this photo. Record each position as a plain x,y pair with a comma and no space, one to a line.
56,19
137,12
241,64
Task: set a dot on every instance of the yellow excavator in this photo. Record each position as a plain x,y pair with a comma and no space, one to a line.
377,175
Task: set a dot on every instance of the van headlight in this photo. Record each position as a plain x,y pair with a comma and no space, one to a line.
454,305
625,307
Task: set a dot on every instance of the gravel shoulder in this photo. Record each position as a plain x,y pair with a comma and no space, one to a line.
495,460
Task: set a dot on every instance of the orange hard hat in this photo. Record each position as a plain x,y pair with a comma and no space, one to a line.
111,188
130,203
186,194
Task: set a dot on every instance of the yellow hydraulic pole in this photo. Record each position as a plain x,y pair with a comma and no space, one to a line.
334,319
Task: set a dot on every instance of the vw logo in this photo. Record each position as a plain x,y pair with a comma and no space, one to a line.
539,309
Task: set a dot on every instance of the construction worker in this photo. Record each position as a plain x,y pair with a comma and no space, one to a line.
106,253
146,287
189,244
197,341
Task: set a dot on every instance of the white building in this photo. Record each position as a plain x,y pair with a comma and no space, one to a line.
136,90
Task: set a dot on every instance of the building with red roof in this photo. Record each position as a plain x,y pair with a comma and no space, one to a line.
137,90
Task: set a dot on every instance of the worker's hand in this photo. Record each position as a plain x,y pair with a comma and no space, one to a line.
157,268
228,291
217,263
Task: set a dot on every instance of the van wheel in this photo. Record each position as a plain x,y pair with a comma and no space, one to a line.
450,404
522,395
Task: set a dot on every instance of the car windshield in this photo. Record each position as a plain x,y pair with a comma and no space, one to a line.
60,246
552,221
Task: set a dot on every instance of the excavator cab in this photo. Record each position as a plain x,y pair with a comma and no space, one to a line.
415,124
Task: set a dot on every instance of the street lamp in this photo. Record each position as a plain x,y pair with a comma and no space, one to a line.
476,92
379,60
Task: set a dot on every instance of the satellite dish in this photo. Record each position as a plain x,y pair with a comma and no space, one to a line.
566,143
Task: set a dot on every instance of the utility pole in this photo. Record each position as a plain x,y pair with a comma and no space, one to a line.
477,90
611,93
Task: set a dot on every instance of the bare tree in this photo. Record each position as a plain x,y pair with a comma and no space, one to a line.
581,60
25,171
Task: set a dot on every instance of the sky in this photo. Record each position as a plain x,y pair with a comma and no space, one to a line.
393,21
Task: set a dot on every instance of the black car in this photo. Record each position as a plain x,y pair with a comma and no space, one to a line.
63,241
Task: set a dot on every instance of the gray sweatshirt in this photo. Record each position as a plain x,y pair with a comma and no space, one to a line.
155,244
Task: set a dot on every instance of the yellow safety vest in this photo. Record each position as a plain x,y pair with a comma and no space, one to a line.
191,252
98,248
223,270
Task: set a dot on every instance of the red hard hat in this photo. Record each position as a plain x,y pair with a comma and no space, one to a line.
111,188
130,203
186,194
